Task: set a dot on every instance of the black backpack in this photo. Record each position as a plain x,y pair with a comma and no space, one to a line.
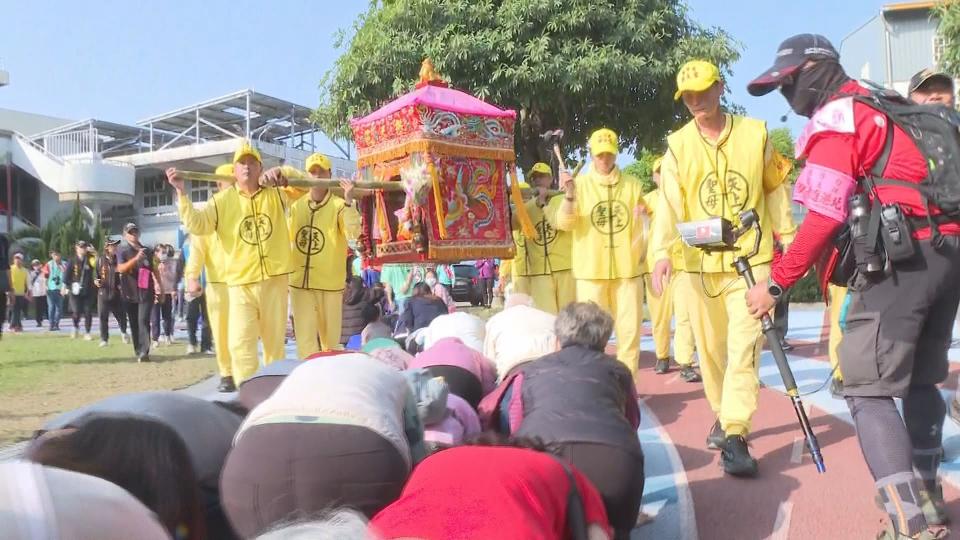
935,130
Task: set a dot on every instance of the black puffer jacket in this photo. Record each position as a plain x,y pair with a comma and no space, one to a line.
578,395
352,319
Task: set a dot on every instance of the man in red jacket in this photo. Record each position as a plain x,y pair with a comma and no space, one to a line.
899,322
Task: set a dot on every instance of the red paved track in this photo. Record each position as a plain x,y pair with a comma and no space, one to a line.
787,500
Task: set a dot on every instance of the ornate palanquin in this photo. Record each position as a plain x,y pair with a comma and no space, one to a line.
452,153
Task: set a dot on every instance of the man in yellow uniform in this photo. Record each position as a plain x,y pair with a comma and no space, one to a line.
602,208
543,263
662,307
250,221
320,226
207,257
719,165
514,270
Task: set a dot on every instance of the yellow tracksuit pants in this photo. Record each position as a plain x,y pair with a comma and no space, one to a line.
683,342
623,299
316,313
552,292
661,311
257,311
728,342
218,308
837,296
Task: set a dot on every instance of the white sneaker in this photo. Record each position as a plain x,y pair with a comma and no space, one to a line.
87,337
74,334
125,338
170,340
103,344
156,344
191,349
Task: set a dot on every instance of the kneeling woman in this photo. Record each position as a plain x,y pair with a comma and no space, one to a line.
497,488
593,421
338,431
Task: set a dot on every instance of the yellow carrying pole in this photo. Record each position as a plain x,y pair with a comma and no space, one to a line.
329,183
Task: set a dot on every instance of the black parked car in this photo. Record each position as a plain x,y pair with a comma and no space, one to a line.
465,287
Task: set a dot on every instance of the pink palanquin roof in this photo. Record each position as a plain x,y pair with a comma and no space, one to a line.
437,97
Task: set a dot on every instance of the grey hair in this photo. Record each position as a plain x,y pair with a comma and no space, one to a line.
518,299
585,324
342,524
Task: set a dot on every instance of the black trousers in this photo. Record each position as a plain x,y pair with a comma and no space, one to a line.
19,312
617,474
486,291
3,309
138,316
196,309
40,308
82,306
106,306
163,309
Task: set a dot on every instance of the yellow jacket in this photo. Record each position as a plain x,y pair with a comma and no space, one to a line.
751,175
319,232
606,225
550,251
206,253
251,228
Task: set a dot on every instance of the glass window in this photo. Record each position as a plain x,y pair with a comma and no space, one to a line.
157,192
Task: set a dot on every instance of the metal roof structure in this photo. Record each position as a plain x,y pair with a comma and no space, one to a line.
246,113
96,136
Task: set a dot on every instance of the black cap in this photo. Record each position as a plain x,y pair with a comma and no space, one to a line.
791,54
111,242
80,244
929,74
130,227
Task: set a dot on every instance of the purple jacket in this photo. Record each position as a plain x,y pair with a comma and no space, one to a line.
485,267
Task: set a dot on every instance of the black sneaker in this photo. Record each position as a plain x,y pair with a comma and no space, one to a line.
143,358
663,366
716,437
689,374
785,345
836,389
735,457
226,385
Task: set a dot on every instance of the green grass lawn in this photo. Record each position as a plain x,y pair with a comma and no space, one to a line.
44,374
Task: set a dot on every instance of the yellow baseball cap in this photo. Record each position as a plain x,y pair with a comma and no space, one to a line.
317,159
246,149
603,141
224,170
523,185
540,168
696,76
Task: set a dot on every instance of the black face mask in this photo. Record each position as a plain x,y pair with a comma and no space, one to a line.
812,87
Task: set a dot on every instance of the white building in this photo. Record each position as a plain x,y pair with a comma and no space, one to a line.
116,170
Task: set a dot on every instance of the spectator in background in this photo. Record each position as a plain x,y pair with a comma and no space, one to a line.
196,299
486,273
930,86
370,275
135,264
398,281
439,290
54,272
4,279
169,273
18,292
38,291
355,300
374,326
78,282
108,293
422,308
445,275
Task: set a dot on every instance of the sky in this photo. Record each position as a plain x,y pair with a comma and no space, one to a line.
125,61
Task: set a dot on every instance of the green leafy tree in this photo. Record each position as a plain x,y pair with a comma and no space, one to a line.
782,141
572,64
642,169
61,233
949,31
